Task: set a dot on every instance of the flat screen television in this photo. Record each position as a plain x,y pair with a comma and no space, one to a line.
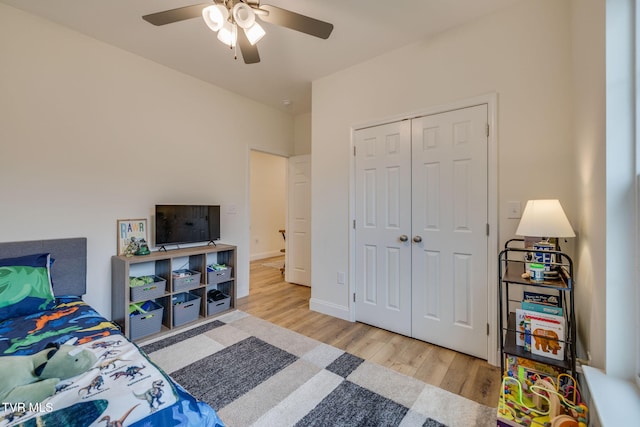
180,224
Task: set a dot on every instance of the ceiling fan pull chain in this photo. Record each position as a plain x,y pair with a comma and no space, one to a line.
235,45
235,51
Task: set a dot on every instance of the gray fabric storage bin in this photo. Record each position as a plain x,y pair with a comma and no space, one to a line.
147,323
151,291
214,307
190,280
186,308
218,276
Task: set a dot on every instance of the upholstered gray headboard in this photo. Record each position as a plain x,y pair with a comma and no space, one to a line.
68,272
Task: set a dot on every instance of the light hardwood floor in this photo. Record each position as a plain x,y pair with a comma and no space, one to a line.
272,299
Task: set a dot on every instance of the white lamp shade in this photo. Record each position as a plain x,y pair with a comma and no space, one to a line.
544,218
228,34
215,16
243,15
254,33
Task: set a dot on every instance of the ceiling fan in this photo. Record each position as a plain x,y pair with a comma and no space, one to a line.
225,16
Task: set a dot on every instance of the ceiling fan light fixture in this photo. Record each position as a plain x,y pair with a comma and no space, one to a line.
215,16
225,16
243,15
254,33
228,34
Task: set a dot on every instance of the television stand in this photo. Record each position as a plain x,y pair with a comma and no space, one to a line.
211,242
162,264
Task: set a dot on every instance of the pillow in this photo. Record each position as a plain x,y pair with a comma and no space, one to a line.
25,285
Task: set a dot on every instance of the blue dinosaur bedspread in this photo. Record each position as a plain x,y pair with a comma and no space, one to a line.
124,386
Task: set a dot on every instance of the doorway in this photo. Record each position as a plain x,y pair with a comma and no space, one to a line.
280,223
268,204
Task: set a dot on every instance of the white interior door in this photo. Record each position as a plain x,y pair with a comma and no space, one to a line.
298,233
449,265
425,179
383,217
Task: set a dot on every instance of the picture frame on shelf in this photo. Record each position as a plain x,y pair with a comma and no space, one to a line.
130,233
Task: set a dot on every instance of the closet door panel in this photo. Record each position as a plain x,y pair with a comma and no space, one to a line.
383,216
449,181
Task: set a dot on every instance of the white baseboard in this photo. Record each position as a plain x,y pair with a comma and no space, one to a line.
329,308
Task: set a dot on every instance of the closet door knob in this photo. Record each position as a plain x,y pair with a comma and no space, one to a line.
417,239
404,238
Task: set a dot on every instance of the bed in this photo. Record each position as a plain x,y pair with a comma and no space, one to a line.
45,323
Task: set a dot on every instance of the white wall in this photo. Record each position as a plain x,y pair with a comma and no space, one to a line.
302,134
90,133
268,189
589,139
521,53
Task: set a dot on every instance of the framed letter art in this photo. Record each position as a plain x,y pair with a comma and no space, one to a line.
130,233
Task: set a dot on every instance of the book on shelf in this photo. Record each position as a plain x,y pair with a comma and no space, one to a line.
523,330
542,298
547,335
528,370
542,308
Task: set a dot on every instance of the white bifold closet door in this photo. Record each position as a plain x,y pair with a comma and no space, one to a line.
421,228
383,226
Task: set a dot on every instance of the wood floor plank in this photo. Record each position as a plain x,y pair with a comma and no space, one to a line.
485,385
458,373
402,354
436,366
287,305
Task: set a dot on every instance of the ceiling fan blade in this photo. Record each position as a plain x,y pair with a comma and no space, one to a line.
295,21
249,52
175,15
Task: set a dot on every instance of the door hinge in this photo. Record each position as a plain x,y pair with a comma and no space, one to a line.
354,151
488,229
354,224
487,329
354,297
487,129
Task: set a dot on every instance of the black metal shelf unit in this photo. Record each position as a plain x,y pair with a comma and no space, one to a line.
511,268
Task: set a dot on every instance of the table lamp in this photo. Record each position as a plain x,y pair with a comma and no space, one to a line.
544,219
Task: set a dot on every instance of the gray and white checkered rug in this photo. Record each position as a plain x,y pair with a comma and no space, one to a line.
255,373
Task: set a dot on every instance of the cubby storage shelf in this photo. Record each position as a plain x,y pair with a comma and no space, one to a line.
163,264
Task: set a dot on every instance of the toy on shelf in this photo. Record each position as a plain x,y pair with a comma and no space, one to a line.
541,401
